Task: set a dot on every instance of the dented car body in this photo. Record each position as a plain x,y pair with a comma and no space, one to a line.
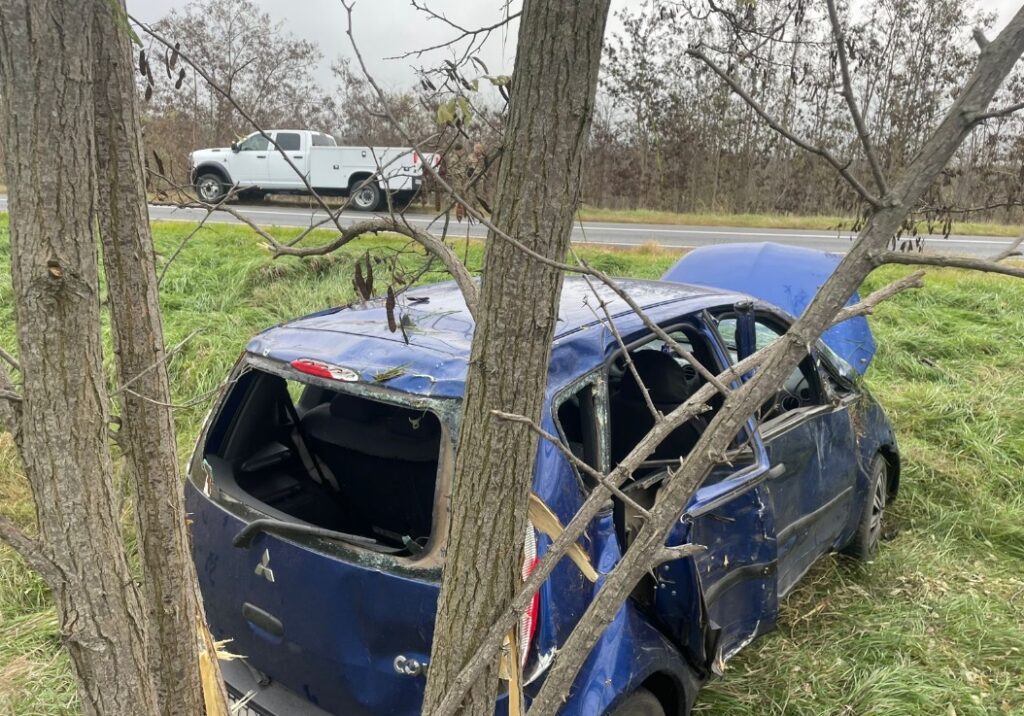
319,486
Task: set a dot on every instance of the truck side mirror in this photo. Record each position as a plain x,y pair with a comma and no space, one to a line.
234,147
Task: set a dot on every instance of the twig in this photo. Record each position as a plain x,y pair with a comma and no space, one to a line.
571,457
10,360
167,356
851,102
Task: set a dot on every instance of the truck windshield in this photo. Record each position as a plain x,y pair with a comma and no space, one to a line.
254,143
341,461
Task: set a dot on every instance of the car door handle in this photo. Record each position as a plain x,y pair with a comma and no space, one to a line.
296,156
777,471
261,156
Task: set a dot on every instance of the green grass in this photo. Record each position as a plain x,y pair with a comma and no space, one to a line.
937,621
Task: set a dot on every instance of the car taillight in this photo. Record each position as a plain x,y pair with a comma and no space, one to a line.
415,157
324,370
528,621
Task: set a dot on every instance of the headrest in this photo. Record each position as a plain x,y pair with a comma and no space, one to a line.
377,429
661,374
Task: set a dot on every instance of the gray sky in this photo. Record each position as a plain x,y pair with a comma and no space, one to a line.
391,27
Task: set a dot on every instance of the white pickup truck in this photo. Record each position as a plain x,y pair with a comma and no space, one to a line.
257,168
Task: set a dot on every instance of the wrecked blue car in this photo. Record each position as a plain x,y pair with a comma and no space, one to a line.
318,489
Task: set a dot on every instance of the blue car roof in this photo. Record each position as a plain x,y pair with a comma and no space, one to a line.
440,329
784,276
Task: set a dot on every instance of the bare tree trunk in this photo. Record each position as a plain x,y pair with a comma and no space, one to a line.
46,72
147,433
536,197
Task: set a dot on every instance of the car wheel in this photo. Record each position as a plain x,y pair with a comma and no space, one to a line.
366,197
865,540
639,703
210,188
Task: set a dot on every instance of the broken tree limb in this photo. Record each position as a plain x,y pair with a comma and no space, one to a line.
548,523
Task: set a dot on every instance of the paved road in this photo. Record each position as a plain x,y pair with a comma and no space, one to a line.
592,232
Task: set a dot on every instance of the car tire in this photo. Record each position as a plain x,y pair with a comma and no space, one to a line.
864,544
210,188
366,197
639,703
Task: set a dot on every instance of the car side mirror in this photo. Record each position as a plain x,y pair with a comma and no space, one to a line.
234,147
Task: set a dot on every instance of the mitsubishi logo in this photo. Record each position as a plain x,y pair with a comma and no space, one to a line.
263,568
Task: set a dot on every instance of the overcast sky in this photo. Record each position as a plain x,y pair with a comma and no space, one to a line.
390,27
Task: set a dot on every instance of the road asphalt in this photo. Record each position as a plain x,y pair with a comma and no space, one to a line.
602,233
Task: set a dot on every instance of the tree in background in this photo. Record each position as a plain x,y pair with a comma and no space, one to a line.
676,139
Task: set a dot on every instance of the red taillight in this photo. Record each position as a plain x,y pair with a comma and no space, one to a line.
415,157
528,621
324,370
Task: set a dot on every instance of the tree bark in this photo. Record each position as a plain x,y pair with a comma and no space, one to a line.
537,193
46,75
147,434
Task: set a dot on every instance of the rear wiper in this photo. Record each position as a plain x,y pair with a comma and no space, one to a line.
248,533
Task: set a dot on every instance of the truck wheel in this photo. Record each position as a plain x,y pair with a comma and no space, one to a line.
366,197
210,188
639,703
864,544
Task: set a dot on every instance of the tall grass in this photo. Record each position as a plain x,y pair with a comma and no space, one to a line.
934,624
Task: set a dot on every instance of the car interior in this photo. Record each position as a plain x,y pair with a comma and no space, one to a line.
340,461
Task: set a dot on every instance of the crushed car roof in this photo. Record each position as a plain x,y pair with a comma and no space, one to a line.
428,355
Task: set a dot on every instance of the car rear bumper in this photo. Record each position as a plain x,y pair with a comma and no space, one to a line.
271,699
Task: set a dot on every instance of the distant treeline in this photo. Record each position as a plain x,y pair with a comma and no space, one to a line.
669,134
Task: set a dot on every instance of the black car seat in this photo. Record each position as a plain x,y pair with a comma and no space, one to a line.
669,384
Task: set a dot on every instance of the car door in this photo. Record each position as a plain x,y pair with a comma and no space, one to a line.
281,174
812,436
248,166
719,600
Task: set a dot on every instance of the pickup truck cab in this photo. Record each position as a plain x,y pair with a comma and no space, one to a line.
256,167
319,487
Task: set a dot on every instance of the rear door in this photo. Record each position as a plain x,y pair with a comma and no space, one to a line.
281,174
348,636
719,600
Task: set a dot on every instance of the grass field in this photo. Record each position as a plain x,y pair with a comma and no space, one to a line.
935,626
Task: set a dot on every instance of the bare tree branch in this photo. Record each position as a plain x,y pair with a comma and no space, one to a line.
31,550
913,258
10,360
841,167
851,101
472,33
867,304
433,245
